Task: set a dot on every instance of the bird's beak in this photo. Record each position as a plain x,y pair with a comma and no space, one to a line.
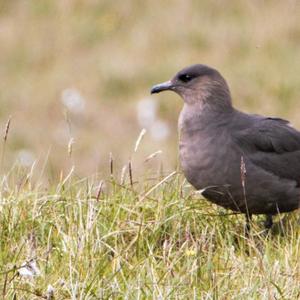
168,85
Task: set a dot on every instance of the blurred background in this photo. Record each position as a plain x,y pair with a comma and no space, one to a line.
75,75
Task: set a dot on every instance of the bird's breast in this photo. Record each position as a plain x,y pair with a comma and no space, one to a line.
205,156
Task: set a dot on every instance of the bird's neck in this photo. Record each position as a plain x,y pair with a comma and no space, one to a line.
210,106
203,116
211,97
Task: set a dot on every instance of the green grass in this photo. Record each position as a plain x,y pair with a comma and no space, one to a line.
156,240
149,239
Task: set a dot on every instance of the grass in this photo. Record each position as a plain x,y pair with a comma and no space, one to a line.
138,234
156,239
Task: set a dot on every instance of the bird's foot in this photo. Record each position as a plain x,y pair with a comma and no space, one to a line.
268,222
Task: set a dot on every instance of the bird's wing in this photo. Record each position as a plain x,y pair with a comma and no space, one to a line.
269,135
272,144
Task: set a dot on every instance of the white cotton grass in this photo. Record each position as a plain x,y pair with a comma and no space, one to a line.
147,118
29,269
146,112
73,100
25,157
159,130
50,292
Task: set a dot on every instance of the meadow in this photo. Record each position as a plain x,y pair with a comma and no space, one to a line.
93,203
93,239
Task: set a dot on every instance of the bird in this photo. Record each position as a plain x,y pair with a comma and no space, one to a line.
247,163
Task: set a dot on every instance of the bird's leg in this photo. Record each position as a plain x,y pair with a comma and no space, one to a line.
268,222
248,225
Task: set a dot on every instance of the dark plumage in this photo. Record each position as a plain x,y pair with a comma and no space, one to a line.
247,163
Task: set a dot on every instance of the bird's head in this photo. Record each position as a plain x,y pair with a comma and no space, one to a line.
198,84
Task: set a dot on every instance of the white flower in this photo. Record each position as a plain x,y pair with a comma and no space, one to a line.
50,292
159,130
73,100
146,112
25,157
29,269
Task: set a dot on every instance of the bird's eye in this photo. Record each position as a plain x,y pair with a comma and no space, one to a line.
185,77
